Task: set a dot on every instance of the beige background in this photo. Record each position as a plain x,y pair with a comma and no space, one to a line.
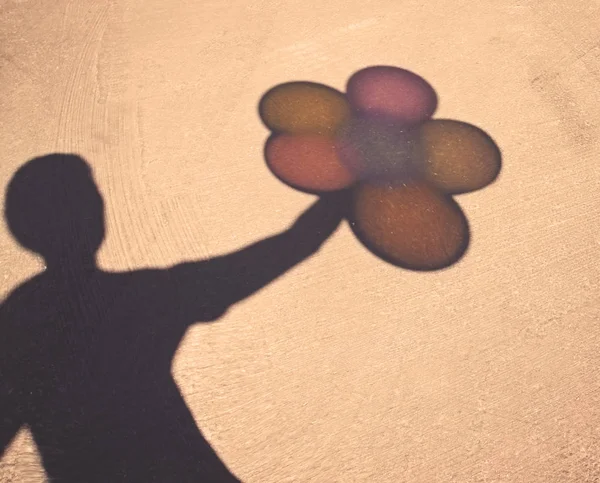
346,369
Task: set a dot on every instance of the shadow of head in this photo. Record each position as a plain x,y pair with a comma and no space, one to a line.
54,208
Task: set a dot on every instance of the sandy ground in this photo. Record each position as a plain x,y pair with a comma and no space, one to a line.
346,368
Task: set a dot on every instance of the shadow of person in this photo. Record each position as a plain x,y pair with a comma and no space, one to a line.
86,354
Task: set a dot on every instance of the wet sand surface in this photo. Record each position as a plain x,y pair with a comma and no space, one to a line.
345,368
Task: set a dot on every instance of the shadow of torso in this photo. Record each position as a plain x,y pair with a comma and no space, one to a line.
99,397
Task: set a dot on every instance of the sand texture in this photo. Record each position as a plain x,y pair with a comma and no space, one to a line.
320,362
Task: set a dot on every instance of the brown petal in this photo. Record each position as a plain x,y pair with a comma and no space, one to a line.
410,225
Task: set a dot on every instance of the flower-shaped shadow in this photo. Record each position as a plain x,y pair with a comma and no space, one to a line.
378,141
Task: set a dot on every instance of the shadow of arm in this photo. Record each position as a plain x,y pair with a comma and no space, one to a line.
233,277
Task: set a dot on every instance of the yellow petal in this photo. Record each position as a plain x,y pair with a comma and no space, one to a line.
459,157
304,107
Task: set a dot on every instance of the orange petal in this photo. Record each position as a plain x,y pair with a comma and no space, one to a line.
410,225
308,162
304,107
459,157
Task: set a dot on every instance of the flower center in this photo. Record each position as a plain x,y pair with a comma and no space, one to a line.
379,149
